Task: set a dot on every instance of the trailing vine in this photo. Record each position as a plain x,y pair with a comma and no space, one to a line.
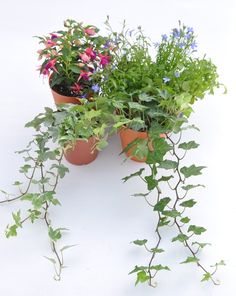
170,208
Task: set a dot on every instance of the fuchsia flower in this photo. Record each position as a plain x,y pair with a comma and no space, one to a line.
53,36
76,88
84,57
90,31
85,75
50,43
49,66
105,59
90,52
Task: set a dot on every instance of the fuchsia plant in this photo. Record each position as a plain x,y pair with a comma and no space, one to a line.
75,58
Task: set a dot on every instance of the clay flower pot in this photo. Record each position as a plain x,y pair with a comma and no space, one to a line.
128,135
82,152
60,99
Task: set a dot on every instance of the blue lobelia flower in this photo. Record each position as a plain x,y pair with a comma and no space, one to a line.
177,74
164,37
181,45
190,30
188,36
193,45
96,88
166,79
176,33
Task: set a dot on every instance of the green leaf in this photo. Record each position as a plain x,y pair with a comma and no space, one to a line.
185,220
140,242
50,259
161,204
17,183
190,260
67,247
188,203
189,187
172,213
61,169
188,145
101,144
24,169
17,218
145,98
200,245
151,182
138,173
164,178
196,229
180,237
163,221
11,231
168,164
191,171
141,194
142,277
137,106
55,202
54,234
159,267
75,69
206,277
157,250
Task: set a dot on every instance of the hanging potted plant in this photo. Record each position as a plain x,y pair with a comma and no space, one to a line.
74,60
144,90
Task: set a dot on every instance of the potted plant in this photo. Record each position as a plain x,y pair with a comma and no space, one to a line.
74,60
81,130
144,90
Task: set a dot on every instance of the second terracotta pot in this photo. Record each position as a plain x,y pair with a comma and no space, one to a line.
128,135
60,99
82,152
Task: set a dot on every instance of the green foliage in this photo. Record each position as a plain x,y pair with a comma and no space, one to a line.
191,171
196,229
180,237
140,242
161,204
191,260
188,203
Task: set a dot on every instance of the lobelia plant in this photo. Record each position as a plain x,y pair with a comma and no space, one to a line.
75,59
43,166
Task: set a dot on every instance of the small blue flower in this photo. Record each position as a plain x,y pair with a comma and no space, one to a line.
177,74
166,79
181,45
156,44
164,37
189,30
96,88
188,36
176,33
193,45
83,96
107,44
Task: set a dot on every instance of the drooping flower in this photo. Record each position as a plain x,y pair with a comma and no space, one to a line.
166,79
50,65
91,53
84,57
50,43
105,59
84,75
90,31
164,37
96,88
53,36
76,88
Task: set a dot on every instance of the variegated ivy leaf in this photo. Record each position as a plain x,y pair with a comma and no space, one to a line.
198,230
188,145
193,259
191,170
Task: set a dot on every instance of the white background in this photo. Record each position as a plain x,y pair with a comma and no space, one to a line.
97,208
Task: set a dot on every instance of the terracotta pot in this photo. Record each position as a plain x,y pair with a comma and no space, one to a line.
128,135
60,99
82,152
